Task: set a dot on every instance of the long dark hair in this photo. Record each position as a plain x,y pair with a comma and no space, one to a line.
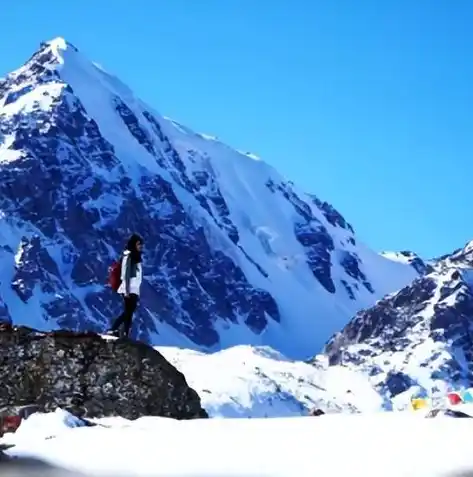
131,246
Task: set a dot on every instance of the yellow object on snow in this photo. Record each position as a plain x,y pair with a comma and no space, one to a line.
419,403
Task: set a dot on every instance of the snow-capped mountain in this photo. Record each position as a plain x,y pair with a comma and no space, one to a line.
417,340
234,253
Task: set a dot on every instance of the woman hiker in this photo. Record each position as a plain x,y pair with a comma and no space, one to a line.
131,277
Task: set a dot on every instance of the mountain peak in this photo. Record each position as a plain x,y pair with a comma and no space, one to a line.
232,245
43,66
55,53
58,46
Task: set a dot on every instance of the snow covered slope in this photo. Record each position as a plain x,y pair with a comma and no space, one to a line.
257,382
235,254
419,339
376,444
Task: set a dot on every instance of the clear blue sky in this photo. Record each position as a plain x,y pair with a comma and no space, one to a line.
366,103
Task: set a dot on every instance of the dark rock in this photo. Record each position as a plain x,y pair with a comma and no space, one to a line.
204,185
3,457
417,263
348,289
397,382
317,241
332,215
351,264
446,412
133,125
313,236
35,267
91,377
318,245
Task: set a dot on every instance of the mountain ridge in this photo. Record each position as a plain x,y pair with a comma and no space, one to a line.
416,340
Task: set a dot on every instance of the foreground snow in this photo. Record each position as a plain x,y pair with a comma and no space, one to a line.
345,445
245,381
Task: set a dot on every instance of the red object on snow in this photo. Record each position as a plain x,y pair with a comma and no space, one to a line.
454,398
9,424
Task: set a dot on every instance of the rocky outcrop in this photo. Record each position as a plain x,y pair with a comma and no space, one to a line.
412,259
446,413
416,262
3,456
91,376
419,338
462,258
319,244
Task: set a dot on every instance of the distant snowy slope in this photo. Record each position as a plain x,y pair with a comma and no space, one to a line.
235,254
419,339
259,382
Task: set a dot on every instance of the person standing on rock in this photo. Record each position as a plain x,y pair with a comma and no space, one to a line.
131,277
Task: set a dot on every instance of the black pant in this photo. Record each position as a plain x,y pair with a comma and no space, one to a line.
130,302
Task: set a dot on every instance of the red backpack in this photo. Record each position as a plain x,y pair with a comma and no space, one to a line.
114,275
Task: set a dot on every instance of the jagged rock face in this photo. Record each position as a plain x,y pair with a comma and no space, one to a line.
462,258
420,266
228,242
420,337
415,261
91,377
